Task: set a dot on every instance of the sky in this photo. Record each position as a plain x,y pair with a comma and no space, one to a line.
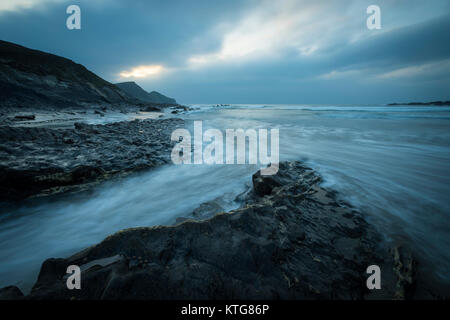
247,51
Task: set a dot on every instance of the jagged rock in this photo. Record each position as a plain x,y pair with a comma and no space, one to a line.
298,242
263,185
42,161
207,209
405,269
11,293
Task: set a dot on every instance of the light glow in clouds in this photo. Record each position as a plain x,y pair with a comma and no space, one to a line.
273,27
142,71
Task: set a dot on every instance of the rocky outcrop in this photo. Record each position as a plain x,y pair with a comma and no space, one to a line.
296,241
41,161
32,78
132,89
11,293
405,269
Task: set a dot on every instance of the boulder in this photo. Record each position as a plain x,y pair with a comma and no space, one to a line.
11,293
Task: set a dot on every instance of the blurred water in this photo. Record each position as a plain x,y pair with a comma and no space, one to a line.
392,162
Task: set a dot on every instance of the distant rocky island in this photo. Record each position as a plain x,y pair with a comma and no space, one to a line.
433,103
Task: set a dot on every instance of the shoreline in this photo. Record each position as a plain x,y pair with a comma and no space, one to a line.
39,161
89,138
291,239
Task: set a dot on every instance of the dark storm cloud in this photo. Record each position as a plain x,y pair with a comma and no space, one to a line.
319,58
116,32
424,42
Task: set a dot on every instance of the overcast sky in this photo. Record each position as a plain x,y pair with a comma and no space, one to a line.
246,51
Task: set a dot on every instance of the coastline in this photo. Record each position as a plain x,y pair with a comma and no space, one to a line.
290,239
125,142
39,161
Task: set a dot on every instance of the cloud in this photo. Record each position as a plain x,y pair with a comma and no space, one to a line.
335,74
273,27
248,50
270,29
17,5
143,71
423,70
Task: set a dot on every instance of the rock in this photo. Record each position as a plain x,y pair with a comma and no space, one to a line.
11,293
207,209
181,220
133,264
85,127
263,185
405,270
150,108
25,117
68,141
43,161
289,244
86,173
18,184
51,271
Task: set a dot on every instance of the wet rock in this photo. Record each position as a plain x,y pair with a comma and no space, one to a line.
86,173
40,161
207,209
150,108
68,141
133,264
289,244
25,117
51,270
405,269
263,185
181,220
11,293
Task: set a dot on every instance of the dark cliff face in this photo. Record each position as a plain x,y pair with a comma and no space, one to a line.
132,89
34,78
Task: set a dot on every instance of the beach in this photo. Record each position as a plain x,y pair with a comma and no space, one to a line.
367,156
